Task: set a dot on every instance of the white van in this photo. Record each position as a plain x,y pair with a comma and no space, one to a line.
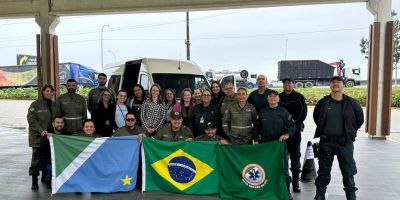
168,73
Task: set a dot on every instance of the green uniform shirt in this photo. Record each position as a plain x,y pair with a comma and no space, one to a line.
204,137
167,134
227,103
239,123
72,107
126,131
334,125
39,119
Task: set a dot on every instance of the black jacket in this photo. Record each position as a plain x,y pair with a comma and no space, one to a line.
210,113
100,115
274,122
352,114
296,105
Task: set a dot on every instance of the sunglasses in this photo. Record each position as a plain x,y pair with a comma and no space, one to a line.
130,119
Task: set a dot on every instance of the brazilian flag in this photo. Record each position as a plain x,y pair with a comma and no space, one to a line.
252,171
180,167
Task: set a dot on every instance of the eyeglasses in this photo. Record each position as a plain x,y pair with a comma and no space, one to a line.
130,119
206,95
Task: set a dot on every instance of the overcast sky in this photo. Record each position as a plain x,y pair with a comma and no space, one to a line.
253,39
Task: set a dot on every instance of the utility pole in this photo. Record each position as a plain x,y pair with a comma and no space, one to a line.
187,42
286,41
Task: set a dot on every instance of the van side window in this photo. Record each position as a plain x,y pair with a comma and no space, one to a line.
114,81
144,81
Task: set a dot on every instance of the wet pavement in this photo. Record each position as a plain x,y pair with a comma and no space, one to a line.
378,165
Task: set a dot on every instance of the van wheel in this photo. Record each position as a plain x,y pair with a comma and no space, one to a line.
299,84
350,84
308,84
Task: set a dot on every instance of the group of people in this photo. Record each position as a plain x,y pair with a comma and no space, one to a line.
216,114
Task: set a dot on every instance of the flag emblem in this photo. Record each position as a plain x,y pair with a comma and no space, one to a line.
181,169
253,175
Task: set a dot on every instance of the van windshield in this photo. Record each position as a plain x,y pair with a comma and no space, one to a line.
178,82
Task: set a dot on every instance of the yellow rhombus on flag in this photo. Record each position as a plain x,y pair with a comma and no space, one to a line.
201,169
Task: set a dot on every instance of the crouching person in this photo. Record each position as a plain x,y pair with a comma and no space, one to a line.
57,128
210,134
175,131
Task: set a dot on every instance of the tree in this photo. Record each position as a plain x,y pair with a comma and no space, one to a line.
364,44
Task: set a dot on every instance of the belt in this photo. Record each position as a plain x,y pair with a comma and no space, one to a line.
241,127
72,118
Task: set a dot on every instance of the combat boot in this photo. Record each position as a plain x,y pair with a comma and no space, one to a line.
350,195
43,178
319,197
34,173
35,185
295,183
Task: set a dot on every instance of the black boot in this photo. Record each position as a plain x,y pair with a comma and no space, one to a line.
34,173
288,189
295,183
43,178
320,197
350,195
35,185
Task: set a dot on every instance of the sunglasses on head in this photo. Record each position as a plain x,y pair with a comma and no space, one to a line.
130,119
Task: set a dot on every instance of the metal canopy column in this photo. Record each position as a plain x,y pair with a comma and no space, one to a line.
48,58
380,70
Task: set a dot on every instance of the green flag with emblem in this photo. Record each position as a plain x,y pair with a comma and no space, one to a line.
180,167
252,171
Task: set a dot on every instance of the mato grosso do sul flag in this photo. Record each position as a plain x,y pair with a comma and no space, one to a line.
89,164
252,171
180,167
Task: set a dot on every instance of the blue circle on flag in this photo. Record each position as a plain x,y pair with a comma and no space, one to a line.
181,169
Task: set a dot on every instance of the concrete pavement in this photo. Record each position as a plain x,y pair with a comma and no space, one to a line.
378,165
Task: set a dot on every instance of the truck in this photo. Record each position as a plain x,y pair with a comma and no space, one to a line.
26,75
309,73
240,78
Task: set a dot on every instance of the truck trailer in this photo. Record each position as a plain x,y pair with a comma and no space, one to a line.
26,75
309,73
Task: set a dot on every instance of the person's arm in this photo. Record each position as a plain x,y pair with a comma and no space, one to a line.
226,121
162,116
90,101
143,115
316,113
84,108
359,114
33,120
303,112
254,131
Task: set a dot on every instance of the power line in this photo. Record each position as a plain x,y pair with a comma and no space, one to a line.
25,37
209,37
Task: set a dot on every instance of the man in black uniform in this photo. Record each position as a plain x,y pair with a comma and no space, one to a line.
295,104
258,98
338,117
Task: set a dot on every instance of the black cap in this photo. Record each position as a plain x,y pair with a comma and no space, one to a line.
339,78
211,125
273,92
287,79
176,115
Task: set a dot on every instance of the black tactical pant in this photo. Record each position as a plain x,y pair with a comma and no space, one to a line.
293,147
344,154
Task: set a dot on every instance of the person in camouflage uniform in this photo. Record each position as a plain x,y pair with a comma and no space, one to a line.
239,120
72,107
175,131
40,115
